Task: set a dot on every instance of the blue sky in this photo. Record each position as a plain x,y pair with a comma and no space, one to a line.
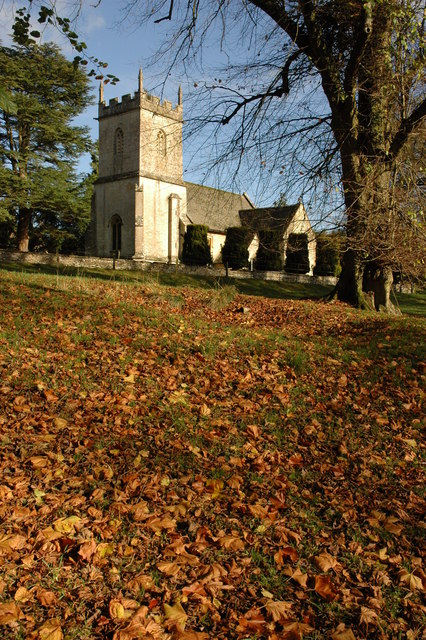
128,46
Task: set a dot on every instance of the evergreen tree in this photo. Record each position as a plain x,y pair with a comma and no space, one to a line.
270,252
235,250
329,250
297,253
196,250
40,192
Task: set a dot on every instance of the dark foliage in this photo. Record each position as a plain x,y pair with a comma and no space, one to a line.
329,248
270,253
235,250
196,250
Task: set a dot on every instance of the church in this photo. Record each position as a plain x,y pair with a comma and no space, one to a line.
142,205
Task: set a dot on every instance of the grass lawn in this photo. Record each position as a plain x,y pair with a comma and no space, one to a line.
174,468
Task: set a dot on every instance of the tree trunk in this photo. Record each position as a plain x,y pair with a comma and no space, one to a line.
23,232
377,284
349,286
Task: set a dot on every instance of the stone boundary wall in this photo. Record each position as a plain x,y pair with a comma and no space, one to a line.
88,262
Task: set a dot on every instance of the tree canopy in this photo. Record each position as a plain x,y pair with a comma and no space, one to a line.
366,57
41,193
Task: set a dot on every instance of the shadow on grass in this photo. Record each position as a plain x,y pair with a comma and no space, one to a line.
265,288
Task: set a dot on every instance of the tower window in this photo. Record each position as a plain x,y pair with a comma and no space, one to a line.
116,224
161,144
118,151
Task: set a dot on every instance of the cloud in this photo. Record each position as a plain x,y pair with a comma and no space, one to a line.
92,21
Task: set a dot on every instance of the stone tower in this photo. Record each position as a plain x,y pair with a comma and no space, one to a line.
140,196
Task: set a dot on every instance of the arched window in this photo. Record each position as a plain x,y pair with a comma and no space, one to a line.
161,144
116,224
118,150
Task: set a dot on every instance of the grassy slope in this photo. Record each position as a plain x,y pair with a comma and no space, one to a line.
172,471
413,304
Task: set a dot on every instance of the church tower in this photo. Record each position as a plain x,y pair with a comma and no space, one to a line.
140,195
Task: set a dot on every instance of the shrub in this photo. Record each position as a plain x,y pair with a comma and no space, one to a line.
222,296
328,255
196,250
270,253
297,254
235,250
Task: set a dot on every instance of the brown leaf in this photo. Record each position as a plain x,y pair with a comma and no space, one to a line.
60,423
66,525
87,549
325,562
12,542
279,610
324,587
342,633
22,595
192,635
368,617
295,631
175,616
232,543
297,575
39,462
169,568
51,630
116,610
46,598
9,612
413,582
285,552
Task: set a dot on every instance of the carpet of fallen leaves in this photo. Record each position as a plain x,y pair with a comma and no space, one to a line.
171,471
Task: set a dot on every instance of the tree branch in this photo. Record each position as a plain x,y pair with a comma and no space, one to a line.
283,89
407,126
168,16
358,49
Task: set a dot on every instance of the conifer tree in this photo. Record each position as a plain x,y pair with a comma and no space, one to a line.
39,145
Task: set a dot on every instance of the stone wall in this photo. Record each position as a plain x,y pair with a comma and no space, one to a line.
86,262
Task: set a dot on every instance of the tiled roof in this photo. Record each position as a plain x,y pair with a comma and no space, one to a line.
269,217
215,208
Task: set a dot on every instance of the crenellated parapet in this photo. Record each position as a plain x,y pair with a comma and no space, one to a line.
140,100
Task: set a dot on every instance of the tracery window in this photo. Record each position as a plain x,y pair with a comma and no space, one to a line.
118,150
161,144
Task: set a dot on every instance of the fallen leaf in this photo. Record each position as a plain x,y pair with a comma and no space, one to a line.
12,542
51,630
297,575
342,633
295,631
116,610
279,610
324,587
325,562
175,615
87,549
22,595
9,612
66,525
413,582
368,617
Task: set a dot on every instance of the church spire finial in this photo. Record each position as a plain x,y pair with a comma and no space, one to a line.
101,91
180,95
140,80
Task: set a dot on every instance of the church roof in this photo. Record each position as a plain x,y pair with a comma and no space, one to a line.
269,217
213,207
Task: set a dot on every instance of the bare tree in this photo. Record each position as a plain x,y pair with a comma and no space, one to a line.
368,58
